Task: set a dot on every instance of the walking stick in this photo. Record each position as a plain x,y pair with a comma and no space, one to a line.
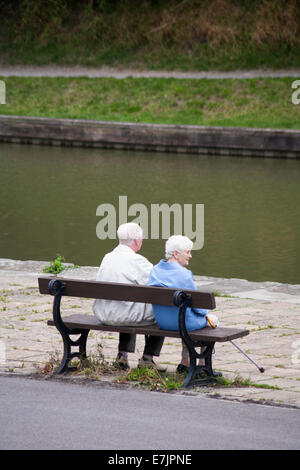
261,369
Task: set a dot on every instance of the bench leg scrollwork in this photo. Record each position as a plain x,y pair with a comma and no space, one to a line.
56,288
202,375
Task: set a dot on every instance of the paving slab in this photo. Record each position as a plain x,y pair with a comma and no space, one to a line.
27,343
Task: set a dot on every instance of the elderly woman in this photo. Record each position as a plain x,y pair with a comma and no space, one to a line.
172,272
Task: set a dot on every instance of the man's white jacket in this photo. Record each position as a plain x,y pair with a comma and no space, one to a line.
123,265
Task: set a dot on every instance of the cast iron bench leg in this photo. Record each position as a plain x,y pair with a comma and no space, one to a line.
56,288
68,354
194,370
182,300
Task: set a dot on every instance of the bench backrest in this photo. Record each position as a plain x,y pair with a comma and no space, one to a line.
126,292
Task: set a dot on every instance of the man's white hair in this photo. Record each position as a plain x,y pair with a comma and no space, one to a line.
129,232
178,243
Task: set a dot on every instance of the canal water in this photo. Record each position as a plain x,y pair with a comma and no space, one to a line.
249,207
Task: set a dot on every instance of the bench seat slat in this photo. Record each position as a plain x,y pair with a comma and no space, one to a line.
207,334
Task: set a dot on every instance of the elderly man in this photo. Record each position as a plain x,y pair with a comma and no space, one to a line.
125,265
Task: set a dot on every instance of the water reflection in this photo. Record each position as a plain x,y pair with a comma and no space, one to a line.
252,224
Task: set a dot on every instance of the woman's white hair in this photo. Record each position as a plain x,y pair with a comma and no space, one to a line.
129,232
178,243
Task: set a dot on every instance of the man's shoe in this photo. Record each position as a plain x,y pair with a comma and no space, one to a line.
151,364
121,362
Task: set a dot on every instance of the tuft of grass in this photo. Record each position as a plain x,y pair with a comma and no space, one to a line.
218,294
239,381
92,367
56,266
152,379
50,366
95,365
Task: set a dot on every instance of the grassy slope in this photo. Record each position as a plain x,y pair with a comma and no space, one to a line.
246,103
167,34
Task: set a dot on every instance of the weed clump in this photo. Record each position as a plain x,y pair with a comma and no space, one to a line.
56,266
152,379
92,367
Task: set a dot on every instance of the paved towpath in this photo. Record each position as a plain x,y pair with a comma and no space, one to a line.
270,310
93,72
88,415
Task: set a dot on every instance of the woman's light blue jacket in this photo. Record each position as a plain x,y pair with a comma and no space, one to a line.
171,274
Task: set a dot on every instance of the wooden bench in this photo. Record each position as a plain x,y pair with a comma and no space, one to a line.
81,324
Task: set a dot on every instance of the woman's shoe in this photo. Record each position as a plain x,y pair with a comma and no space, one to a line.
151,364
181,369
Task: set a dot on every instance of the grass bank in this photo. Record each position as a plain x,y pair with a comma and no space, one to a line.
263,102
156,34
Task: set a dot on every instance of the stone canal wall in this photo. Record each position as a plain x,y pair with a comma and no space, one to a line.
154,137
